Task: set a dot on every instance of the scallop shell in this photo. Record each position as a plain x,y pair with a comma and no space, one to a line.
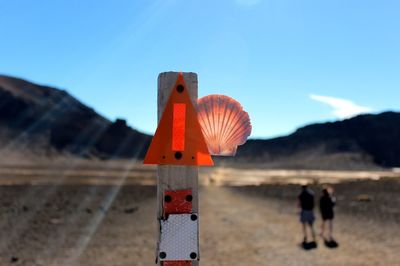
224,123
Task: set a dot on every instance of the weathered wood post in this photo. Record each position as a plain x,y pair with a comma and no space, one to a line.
173,178
178,148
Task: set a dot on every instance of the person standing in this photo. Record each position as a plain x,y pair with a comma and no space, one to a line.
307,218
326,204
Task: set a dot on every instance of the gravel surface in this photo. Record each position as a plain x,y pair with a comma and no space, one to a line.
115,226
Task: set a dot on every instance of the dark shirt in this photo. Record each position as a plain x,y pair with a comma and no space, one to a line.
326,204
306,199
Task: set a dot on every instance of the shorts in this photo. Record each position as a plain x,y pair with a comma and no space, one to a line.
327,216
307,216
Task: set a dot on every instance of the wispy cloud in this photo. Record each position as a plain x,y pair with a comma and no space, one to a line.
247,2
342,108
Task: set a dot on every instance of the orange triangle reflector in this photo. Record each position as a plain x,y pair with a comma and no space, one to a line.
178,139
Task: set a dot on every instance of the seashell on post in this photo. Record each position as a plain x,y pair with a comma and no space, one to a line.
224,123
188,132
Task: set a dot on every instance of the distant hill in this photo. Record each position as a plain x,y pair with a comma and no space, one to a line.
363,141
47,121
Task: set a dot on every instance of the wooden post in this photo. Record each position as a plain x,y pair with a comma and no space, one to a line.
176,177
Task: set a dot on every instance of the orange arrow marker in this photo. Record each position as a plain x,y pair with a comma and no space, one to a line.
178,139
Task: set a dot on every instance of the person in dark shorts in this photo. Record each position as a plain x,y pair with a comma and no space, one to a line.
326,204
307,218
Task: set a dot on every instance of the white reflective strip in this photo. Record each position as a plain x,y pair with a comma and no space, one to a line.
179,237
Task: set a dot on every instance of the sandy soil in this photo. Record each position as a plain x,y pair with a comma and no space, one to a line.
84,172
112,225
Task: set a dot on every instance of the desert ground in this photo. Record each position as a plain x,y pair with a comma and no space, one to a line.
104,214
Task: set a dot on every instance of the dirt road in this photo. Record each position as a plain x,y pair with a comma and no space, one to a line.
102,225
243,230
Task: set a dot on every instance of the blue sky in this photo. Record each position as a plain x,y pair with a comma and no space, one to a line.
289,63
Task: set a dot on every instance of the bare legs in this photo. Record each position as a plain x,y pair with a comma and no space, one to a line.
330,223
304,232
312,231
322,229
330,229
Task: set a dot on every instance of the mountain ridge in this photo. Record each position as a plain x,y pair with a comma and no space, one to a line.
370,137
50,122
